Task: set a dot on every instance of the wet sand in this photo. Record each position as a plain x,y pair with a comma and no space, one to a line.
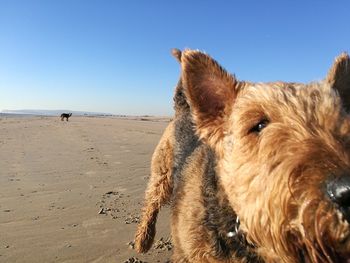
72,191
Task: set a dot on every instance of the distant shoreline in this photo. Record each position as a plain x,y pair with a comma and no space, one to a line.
126,117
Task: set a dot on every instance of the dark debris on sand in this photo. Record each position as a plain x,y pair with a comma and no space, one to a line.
134,260
163,244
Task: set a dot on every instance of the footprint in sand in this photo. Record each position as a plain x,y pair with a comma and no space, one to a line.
92,222
112,204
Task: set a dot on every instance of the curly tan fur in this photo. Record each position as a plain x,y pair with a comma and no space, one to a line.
258,152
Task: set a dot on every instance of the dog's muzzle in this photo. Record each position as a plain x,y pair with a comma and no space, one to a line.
338,190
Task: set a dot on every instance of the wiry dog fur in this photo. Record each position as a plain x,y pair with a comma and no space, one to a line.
249,168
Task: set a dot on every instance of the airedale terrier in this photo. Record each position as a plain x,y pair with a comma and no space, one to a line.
254,172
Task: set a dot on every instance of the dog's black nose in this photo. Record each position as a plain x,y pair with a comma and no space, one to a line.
338,189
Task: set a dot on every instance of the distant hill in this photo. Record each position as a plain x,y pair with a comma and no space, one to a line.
53,112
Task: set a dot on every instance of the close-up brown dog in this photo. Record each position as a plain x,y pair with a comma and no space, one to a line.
113,151
254,172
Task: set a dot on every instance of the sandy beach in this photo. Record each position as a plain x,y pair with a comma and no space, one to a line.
72,191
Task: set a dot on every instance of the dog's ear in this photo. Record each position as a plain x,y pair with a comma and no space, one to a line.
176,54
339,78
211,92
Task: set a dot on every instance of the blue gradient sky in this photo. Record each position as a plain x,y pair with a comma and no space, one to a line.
114,56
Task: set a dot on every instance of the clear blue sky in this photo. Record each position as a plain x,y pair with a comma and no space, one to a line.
114,56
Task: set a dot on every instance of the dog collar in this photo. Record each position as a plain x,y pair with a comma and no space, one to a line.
221,221
235,231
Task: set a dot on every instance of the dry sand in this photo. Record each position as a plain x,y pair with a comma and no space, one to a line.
72,191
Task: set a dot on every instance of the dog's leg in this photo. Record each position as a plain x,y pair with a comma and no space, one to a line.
159,190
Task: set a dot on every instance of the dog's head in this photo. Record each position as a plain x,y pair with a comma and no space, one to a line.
283,156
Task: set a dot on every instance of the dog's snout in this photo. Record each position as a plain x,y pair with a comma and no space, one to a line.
338,189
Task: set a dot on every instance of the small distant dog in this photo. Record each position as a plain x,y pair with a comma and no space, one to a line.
254,172
65,115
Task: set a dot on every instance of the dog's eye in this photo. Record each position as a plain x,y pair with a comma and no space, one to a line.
259,126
